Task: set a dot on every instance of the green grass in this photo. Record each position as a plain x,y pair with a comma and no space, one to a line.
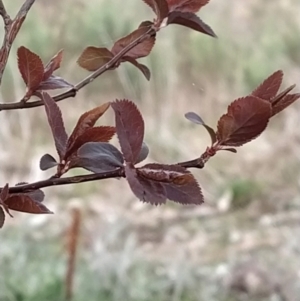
33,269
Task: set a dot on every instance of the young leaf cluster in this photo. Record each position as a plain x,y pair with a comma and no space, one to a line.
77,150
151,183
38,77
29,202
247,117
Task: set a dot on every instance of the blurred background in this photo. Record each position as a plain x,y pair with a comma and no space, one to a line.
242,244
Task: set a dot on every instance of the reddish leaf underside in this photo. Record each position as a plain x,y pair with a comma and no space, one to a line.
95,134
144,69
31,68
284,103
53,65
270,86
154,183
190,20
24,203
160,8
92,58
179,184
140,50
86,121
145,190
274,100
191,6
56,124
129,128
245,119
165,173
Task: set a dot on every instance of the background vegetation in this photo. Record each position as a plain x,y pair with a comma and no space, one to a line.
249,225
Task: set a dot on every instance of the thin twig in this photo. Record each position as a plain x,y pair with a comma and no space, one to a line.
11,30
117,173
72,92
196,163
5,16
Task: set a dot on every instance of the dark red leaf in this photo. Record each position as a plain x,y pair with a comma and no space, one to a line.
92,58
191,6
24,203
284,103
160,8
129,127
95,134
3,196
4,193
269,87
179,184
184,194
230,149
53,65
245,119
86,121
145,190
2,217
281,95
140,50
56,124
31,68
144,69
190,20
54,82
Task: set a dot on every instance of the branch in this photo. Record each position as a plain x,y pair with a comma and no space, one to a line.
198,162
90,78
195,163
6,18
11,30
117,173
